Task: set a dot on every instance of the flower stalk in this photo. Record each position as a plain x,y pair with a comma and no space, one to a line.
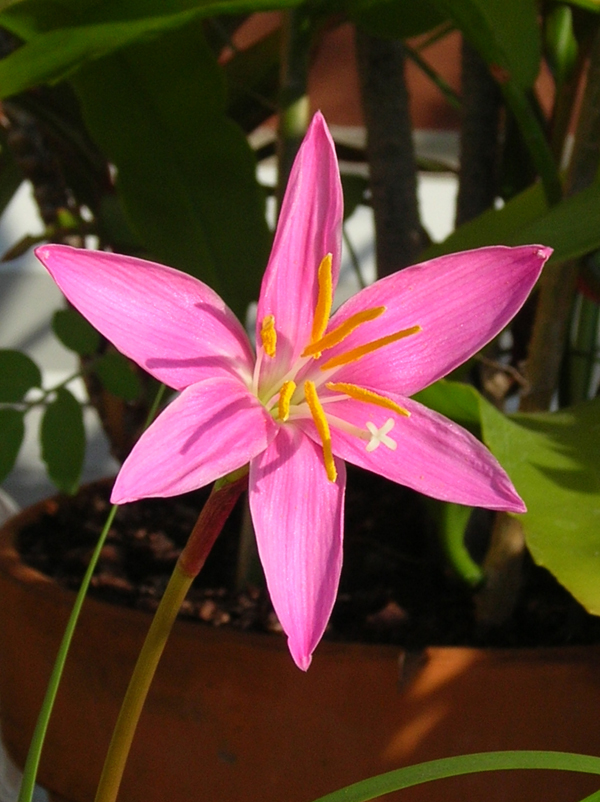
210,522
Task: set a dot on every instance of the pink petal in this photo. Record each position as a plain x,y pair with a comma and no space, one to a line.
211,429
309,227
298,516
171,324
434,455
461,301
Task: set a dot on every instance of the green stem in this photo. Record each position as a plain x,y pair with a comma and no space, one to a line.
557,286
353,258
452,527
450,95
140,683
37,741
208,526
535,140
582,357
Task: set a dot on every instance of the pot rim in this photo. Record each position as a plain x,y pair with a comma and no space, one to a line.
14,569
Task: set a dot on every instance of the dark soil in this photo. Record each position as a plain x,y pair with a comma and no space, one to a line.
396,586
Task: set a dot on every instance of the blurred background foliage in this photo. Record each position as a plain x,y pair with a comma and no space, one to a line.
132,120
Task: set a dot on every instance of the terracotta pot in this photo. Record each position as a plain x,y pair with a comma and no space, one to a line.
230,717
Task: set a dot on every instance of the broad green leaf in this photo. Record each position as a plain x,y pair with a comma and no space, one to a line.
18,374
12,432
6,3
61,37
186,175
394,20
495,226
31,17
455,400
505,32
589,5
118,376
554,461
63,440
74,332
571,227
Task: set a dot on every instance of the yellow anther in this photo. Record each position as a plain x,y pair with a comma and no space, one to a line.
356,353
324,299
368,396
268,335
285,396
335,336
318,416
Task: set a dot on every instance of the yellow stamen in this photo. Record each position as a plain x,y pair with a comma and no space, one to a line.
342,331
357,353
318,416
324,299
268,335
368,396
285,396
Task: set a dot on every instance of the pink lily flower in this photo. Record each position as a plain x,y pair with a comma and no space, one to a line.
319,388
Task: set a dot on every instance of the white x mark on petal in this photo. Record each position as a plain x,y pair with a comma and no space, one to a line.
379,436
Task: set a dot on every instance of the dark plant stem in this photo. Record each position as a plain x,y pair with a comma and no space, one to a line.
559,281
399,235
481,101
293,98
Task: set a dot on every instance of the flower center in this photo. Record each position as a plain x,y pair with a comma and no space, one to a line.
289,403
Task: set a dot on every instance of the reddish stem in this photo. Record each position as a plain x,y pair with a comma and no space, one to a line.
209,524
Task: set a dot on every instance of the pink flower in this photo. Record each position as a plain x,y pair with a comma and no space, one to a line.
318,391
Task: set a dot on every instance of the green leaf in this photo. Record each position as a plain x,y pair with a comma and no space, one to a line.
554,461
74,332
118,376
571,227
61,37
18,374
420,773
589,5
186,174
455,400
12,432
495,226
505,32
393,20
63,440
